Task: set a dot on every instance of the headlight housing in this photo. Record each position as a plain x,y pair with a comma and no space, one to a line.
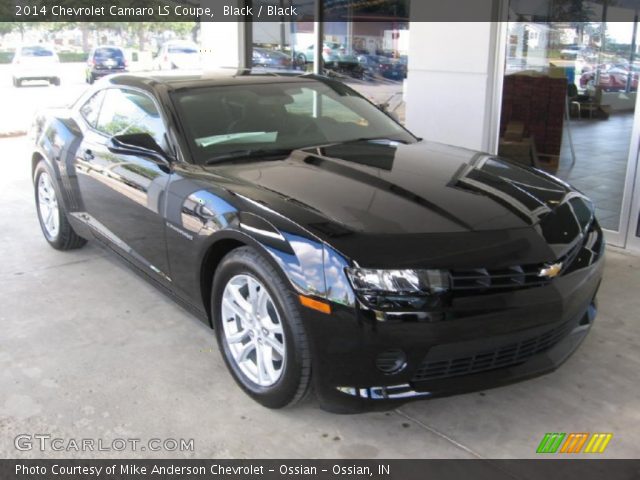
389,289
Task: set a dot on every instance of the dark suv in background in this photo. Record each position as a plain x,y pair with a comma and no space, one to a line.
105,60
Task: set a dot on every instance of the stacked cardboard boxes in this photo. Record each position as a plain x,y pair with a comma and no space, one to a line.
537,102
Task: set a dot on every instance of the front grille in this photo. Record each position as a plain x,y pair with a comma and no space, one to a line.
477,280
505,356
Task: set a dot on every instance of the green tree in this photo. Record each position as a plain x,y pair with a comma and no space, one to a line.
8,27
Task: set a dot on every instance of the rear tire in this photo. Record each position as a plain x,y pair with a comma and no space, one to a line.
53,219
55,81
265,350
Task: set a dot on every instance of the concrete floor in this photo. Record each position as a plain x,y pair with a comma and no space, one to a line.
89,350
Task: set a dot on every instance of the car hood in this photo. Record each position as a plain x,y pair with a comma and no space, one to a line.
378,189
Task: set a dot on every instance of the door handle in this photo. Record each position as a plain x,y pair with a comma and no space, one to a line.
88,155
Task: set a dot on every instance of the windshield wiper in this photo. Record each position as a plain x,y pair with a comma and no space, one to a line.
249,153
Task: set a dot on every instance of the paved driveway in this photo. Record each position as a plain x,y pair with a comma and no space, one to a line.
89,350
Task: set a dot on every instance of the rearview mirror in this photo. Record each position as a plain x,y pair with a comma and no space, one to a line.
139,144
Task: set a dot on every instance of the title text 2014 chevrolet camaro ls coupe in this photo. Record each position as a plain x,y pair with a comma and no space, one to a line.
324,243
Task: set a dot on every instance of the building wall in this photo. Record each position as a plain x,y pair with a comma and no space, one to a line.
221,44
453,85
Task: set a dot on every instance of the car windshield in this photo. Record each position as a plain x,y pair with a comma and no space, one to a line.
279,116
106,53
36,51
182,49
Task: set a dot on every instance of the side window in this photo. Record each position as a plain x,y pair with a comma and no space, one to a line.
91,108
126,111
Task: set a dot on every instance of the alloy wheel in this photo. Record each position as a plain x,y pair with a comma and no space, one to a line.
253,330
48,205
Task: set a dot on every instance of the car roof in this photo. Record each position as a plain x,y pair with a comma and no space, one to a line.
183,80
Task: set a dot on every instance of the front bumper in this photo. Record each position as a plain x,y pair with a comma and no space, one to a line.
484,342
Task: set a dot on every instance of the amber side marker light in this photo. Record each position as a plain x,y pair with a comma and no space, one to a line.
315,304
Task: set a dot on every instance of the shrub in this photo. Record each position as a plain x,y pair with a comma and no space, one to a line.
6,57
69,57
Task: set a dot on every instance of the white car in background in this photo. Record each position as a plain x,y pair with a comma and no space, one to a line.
178,54
35,62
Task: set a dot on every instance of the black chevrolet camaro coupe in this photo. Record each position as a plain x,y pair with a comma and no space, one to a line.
325,244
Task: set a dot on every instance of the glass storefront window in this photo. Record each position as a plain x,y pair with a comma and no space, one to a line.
365,45
371,57
569,99
283,46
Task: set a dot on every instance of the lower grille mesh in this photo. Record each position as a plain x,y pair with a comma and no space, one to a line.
505,356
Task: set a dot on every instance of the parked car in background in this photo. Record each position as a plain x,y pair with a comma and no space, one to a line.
381,66
570,52
330,51
267,58
325,244
574,52
611,78
35,62
178,54
105,60
344,65
374,65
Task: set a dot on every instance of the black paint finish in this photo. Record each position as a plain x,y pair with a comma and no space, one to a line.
324,208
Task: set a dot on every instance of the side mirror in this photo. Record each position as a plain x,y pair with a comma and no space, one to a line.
139,144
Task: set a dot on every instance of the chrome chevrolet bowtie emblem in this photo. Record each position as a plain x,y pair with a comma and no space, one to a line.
551,271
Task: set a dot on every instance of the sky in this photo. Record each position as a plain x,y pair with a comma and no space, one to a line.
621,32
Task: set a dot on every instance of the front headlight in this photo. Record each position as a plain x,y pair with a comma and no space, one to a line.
398,282
400,290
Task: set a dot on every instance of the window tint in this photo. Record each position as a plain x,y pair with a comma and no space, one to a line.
107,52
126,111
91,108
36,51
182,49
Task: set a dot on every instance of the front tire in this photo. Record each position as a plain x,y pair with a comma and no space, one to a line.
53,219
259,329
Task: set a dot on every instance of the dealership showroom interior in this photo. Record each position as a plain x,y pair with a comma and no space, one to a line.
359,230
